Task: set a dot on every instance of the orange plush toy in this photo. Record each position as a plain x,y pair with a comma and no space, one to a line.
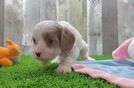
6,54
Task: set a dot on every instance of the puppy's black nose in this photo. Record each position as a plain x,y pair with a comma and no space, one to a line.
38,54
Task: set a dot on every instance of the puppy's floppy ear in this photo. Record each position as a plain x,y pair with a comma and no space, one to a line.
67,41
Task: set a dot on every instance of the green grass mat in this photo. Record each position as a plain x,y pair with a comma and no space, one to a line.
31,74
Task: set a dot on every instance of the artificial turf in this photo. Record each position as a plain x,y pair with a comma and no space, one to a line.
29,73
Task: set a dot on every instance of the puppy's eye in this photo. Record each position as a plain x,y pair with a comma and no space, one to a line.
50,41
34,41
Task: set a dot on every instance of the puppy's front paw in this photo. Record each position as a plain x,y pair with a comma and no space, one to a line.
63,69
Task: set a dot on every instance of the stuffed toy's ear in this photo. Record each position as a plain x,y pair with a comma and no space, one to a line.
121,52
9,42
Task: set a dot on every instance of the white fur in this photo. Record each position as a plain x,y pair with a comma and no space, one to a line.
80,47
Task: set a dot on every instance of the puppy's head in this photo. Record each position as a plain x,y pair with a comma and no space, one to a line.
51,39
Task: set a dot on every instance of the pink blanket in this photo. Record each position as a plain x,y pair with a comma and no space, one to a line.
119,73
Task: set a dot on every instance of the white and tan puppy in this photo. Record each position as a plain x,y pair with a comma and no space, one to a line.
58,39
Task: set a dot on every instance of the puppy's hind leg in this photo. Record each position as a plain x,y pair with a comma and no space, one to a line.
85,51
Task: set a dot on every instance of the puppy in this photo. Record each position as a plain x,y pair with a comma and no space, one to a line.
58,40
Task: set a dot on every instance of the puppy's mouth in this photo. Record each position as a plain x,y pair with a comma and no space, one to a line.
43,59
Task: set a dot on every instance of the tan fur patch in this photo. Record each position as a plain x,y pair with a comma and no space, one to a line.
67,41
